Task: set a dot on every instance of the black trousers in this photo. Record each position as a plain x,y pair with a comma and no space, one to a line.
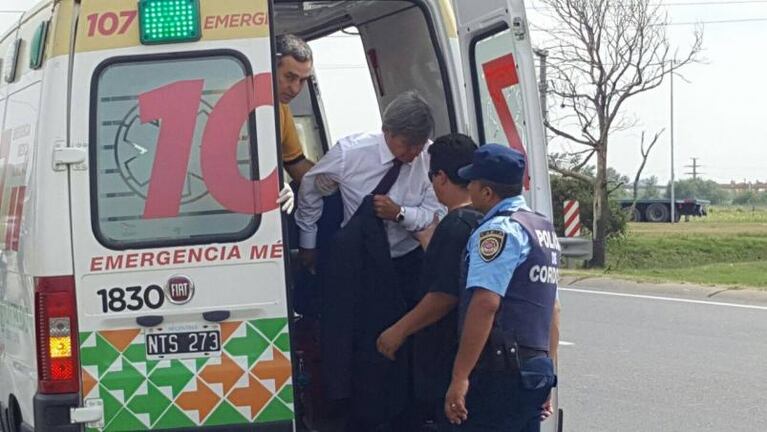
498,402
408,268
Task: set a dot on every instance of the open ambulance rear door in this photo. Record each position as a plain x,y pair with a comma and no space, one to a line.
501,85
178,240
502,93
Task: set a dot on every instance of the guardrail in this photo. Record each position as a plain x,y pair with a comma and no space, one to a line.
576,250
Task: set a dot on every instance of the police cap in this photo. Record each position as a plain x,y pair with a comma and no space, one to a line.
496,163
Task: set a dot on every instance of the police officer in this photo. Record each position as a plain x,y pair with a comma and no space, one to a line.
503,373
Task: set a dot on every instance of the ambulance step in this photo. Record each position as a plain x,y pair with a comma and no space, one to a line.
92,414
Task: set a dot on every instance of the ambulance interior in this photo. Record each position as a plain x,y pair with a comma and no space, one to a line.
400,45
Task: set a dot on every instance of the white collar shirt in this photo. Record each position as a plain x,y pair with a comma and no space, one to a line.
358,163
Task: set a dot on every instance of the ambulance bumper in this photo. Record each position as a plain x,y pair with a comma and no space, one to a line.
286,426
52,412
52,415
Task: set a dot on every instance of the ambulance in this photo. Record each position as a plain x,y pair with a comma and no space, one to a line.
145,276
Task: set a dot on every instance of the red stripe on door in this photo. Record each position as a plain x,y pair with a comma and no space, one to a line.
20,193
10,219
500,74
5,147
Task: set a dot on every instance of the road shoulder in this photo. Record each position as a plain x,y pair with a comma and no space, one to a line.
672,290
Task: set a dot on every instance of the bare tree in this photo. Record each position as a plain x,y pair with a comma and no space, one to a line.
645,152
602,53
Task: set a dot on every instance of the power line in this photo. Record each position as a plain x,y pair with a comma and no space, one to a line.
725,21
695,168
701,3
714,3
697,3
694,3
730,21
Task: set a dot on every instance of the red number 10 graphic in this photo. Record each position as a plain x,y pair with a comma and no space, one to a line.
176,106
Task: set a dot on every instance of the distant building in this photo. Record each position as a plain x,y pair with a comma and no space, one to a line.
739,187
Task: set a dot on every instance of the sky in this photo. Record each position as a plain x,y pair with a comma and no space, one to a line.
720,117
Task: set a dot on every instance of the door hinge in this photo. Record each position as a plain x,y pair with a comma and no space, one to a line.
65,156
92,414
519,28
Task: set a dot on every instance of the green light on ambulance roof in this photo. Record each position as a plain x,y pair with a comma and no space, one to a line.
169,21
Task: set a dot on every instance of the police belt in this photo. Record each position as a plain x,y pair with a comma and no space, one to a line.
499,359
502,353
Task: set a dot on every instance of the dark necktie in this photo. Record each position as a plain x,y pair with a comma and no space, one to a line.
388,179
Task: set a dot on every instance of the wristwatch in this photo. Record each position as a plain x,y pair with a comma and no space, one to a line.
400,216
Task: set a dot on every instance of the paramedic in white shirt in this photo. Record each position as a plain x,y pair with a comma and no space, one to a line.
358,163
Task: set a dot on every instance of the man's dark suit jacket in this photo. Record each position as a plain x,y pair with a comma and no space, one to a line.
360,300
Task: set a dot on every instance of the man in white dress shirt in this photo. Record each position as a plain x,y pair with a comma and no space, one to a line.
358,163
392,166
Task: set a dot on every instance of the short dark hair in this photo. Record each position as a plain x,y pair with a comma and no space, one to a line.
451,152
502,190
293,46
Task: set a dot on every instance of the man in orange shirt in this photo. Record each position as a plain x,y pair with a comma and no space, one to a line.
294,68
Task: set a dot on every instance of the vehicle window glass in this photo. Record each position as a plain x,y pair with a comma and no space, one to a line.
125,149
498,92
345,72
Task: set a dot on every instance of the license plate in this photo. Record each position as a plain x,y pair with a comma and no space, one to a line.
183,342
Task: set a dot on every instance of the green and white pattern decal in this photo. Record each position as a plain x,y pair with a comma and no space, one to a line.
250,383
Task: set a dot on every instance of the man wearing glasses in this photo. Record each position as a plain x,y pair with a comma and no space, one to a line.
434,320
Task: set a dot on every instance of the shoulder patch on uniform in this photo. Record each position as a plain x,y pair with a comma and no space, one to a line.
491,244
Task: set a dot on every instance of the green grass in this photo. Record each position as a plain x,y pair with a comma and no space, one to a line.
729,247
744,274
736,215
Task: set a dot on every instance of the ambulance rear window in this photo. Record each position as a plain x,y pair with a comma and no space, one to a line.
501,108
124,149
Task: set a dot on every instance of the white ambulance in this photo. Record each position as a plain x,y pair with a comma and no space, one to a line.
144,276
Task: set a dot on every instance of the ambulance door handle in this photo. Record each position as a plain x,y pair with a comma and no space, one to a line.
149,320
75,156
216,316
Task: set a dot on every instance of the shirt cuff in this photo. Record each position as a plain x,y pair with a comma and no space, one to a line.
307,240
411,218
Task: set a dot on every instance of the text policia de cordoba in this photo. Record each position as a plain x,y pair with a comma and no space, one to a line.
190,255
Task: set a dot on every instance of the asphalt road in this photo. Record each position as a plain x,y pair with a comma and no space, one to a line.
673,360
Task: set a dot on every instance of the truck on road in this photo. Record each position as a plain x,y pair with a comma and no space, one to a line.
659,210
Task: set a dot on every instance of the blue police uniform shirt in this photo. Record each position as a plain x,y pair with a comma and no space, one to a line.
496,274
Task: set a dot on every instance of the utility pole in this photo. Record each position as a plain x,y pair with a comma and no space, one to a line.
695,166
673,197
543,85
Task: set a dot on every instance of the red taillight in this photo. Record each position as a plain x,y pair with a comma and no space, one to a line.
57,337
62,370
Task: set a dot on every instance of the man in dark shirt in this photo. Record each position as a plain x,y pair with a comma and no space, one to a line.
434,319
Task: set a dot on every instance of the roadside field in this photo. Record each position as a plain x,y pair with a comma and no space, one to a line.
720,221
729,248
